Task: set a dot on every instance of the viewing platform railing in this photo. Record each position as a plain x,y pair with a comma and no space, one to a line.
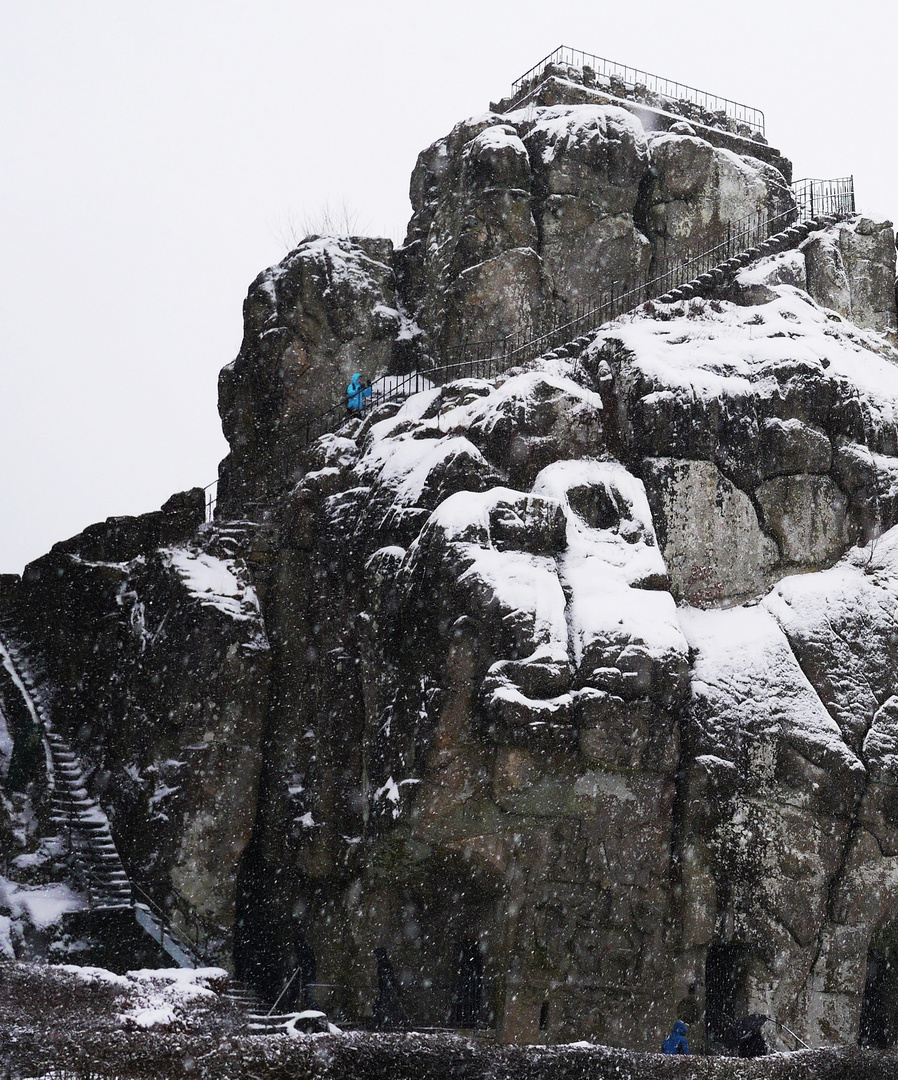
643,81
814,197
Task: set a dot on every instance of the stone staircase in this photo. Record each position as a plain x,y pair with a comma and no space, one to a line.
79,819
81,827
82,830
705,274
229,539
262,1020
85,827
718,277
711,283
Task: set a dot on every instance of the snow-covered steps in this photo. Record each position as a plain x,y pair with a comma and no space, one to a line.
244,997
716,277
79,819
306,1022
229,539
83,829
169,941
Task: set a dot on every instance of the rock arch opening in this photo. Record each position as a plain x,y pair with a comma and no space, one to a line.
879,1005
726,990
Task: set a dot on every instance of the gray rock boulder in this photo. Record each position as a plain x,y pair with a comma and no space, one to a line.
326,311
519,218
588,165
471,250
699,194
851,269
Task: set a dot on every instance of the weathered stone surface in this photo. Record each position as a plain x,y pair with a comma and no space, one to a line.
162,664
807,516
713,544
774,835
472,237
479,718
852,270
326,311
699,193
566,199
755,284
790,447
868,252
587,169
493,298
120,539
567,86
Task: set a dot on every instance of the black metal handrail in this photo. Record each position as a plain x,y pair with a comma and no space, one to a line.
487,358
643,81
814,196
194,943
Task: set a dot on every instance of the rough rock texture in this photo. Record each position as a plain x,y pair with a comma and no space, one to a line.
155,666
849,269
519,220
562,701
561,84
506,740
698,192
546,207
852,269
327,310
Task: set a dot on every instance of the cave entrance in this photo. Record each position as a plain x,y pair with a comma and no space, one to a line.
443,941
726,989
879,1005
467,991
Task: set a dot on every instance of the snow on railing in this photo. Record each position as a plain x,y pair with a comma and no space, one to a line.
816,197
606,74
814,200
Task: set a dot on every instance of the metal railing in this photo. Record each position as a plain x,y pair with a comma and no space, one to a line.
814,199
211,493
193,935
607,73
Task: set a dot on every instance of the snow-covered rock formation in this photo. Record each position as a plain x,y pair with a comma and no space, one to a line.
572,689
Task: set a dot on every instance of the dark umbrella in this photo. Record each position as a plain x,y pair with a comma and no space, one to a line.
748,1025
747,1036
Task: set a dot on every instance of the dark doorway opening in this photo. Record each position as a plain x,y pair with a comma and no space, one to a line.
879,1007
467,989
726,992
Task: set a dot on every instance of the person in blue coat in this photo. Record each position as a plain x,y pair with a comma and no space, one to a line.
357,393
675,1043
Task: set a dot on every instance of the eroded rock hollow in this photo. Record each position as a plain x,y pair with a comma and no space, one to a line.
572,689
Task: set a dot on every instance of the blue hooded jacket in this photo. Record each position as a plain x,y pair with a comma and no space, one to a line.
675,1043
356,394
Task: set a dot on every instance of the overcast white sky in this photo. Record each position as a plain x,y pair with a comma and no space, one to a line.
157,155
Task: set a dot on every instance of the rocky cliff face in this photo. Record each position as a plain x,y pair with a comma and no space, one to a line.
153,653
519,220
553,660
521,216
572,689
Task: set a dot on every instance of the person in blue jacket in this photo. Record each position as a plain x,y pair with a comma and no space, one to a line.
675,1043
357,393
